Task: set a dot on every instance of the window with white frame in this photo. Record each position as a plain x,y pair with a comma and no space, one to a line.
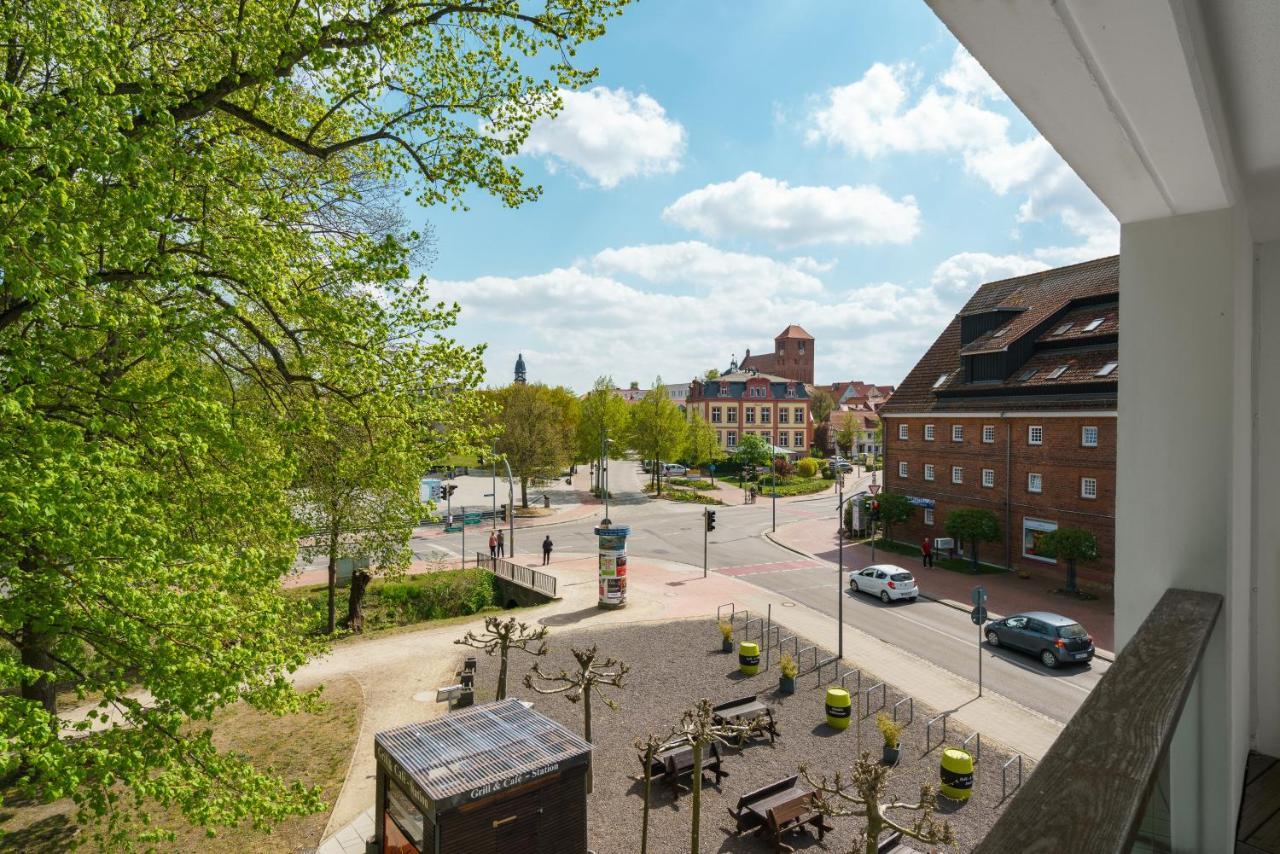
1094,324
988,478
928,515
732,415
750,415
731,439
799,415
715,415
757,391
1088,487
765,414
1035,482
902,469
1035,435
1032,531
902,431
1107,369
957,474
1089,437
799,439
957,432
784,415
928,471
784,439
988,433
928,432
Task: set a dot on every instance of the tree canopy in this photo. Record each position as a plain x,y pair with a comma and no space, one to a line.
973,525
1070,544
701,446
753,450
535,427
202,255
657,428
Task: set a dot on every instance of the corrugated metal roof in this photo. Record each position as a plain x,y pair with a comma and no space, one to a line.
481,751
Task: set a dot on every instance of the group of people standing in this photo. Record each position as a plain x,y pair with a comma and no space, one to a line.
498,546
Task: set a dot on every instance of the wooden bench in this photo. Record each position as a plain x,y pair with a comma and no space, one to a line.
747,710
678,764
791,816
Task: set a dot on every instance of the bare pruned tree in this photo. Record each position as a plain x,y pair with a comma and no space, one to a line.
502,636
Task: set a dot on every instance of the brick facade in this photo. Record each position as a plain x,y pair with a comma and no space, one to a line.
1061,461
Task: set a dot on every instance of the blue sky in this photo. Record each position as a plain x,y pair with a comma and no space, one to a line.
739,166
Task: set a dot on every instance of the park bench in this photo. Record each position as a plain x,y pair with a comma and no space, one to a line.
677,763
747,710
791,816
779,808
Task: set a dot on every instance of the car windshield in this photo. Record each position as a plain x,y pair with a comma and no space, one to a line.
1075,630
901,576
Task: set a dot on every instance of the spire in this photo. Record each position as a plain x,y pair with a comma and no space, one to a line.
520,369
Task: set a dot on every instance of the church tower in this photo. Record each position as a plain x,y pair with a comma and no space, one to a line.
793,354
520,369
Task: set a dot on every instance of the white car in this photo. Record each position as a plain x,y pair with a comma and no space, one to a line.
673,470
885,580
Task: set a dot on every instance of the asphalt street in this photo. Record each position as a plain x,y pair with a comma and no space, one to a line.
935,632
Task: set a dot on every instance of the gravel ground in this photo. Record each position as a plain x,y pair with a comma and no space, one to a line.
675,664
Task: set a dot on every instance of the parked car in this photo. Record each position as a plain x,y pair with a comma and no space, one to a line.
841,465
673,470
1052,638
885,580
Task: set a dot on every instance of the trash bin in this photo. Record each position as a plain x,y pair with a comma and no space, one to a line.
839,707
749,657
546,501
957,773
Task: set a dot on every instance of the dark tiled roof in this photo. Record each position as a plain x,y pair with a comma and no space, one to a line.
737,385
1031,301
764,362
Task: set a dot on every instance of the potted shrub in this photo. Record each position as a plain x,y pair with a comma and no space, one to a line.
891,730
726,636
789,668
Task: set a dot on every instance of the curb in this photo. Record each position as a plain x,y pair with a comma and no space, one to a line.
1105,654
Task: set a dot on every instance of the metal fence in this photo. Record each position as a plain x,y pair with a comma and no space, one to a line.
525,576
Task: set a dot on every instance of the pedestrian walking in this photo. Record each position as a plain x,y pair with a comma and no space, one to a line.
546,550
926,552
502,545
493,544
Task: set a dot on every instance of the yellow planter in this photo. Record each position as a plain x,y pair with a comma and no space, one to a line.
749,658
957,774
839,708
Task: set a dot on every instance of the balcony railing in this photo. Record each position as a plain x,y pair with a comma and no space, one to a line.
1090,792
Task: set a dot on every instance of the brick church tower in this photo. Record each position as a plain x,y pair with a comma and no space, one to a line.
793,354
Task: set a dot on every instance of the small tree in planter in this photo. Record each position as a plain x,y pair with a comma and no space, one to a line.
973,526
502,636
891,731
698,728
1071,545
894,509
726,636
789,668
590,678
862,794
649,748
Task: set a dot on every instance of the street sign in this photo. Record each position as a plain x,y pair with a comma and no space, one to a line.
471,519
712,467
979,596
875,488
978,615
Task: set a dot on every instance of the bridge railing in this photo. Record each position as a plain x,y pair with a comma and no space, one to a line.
525,576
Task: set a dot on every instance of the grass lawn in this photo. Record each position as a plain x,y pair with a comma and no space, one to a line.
691,484
407,600
312,748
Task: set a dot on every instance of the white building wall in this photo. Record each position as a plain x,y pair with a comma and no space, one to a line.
1266,509
1183,508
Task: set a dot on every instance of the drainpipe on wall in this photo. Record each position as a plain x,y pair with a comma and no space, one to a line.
1008,485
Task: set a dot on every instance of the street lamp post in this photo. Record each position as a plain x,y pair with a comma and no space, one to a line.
840,572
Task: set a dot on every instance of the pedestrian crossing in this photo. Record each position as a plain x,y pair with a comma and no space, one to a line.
774,566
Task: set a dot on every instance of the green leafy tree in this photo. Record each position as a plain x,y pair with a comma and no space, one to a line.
658,429
202,252
1072,545
973,526
894,510
535,427
700,445
712,374
753,450
821,405
604,417
849,432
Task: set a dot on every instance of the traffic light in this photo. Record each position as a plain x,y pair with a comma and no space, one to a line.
710,516
875,511
449,489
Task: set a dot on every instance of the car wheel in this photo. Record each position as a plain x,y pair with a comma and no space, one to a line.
884,596
853,585
1048,659
993,638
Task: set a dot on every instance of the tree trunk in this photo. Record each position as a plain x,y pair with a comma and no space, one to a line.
644,820
874,829
333,577
975,555
586,731
502,673
34,649
1071,575
524,492
696,784
355,601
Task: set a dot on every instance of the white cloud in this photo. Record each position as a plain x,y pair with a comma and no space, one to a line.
678,309
884,113
752,204
962,273
609,135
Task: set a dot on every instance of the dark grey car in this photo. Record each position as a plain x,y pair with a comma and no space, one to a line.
1052,638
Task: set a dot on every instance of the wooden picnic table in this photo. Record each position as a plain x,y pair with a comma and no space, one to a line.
676,763
777,809
746,710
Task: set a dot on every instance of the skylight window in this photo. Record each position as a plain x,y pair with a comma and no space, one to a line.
1105,370
1094,324
1058,371
1027,374
942,379
1063,329
999,333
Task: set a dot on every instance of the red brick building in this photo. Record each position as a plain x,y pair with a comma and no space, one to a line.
792,356
745,403
1013,409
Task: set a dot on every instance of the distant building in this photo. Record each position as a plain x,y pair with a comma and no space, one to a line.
632,394
792,357
1013,409
865,423
521,373
745,403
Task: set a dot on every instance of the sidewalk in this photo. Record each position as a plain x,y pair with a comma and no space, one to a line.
1006,592
400,671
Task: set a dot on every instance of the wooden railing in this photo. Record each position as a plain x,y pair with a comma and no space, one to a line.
525,576
1090,790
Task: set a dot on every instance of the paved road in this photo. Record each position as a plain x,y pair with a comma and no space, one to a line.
935,632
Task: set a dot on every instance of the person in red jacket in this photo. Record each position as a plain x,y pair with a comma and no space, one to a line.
926,552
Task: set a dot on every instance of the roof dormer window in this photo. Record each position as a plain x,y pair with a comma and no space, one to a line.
1107,369
791,390
724,389
999,333
940,381
1027,374
1058,371
1094,324
1063,329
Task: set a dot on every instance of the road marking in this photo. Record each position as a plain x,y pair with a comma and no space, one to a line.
775,566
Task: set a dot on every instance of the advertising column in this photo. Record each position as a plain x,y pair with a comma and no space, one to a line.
613,564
